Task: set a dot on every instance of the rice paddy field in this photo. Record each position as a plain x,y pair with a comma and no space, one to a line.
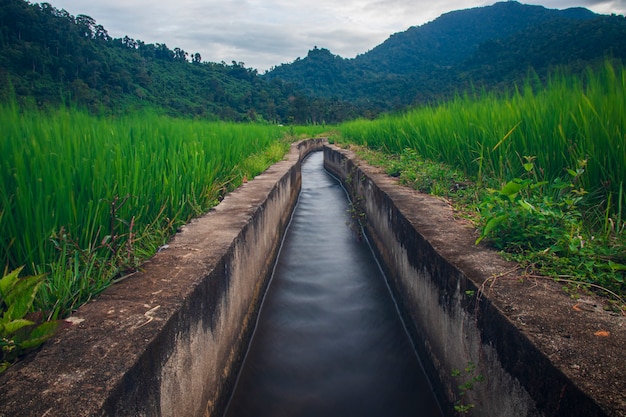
550,157
569,119
85,199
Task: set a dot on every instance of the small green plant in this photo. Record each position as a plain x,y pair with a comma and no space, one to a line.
471,378
527,213
421,174
20,331
358,217
540,225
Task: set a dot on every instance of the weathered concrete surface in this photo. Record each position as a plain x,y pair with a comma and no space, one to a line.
166,341
535,347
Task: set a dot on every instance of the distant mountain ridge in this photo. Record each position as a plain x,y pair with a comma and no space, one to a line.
425,62
454,36
51,58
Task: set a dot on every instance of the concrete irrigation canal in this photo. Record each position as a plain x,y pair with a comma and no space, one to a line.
178,338
329,340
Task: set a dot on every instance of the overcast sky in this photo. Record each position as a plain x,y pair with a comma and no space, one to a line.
266,33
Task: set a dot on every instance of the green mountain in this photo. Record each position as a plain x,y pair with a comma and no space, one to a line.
49,57
492,46
455,36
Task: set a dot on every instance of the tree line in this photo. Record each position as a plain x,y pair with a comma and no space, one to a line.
49,57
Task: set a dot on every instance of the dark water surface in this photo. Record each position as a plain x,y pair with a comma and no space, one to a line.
329,341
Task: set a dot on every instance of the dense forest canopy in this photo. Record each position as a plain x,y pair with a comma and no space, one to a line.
49,57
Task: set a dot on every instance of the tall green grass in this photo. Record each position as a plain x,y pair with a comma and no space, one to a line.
547,170
84,198
487,135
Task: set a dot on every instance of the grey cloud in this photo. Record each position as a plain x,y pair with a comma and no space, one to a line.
598,6
264,33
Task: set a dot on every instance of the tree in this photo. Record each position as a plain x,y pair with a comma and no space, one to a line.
163,52
130,42
180,55
87,25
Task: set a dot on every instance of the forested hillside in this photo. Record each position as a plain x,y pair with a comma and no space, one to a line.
486,46
49,57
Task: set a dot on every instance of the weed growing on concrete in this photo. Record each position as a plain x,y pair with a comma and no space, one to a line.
470,377
356,210
357,216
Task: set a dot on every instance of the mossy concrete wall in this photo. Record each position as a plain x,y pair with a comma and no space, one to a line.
538,351
168,340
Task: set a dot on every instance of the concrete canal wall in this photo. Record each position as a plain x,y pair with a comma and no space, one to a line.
524,345
168,341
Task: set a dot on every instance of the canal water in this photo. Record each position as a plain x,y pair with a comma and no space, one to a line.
329,340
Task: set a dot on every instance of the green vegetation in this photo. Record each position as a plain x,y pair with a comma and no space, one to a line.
84,199
545,166
111,144
471,377
49,58
19,330
491,47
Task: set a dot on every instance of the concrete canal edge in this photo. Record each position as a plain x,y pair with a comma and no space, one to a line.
535,350
169,340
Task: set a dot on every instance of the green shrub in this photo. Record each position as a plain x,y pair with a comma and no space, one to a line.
540,224
20,331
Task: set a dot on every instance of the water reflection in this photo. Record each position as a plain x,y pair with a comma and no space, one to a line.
329,341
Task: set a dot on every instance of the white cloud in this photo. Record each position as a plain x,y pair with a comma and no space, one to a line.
264,33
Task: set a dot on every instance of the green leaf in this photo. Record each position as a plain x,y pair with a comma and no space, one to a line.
538,184
491,225
511,188
7,282
10,328
495,222
506,136
20,297
527,206
39,335
616,267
